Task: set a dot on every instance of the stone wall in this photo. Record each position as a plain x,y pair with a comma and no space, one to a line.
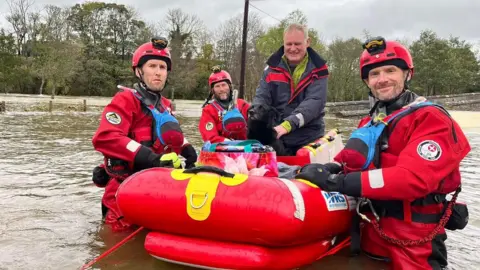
334,107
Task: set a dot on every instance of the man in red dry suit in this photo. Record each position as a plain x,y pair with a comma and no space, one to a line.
403,159
223,115
137,129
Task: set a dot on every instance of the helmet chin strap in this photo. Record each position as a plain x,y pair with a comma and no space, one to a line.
140,76
406,83
208,99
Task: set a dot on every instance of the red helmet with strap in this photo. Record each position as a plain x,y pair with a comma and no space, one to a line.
379,52
156,49
219,75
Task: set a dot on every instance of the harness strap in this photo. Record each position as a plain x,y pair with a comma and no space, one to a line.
434,198
144,100
159,117
399,210
355,246
373,134
218,107
415,217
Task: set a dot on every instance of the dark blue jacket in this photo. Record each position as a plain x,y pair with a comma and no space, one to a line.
302,106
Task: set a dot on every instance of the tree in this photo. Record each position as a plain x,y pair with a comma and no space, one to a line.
56,26
109,33
273,39
18,18
183,30
55,64
10,63
442,66
464,67
86,49
343,63
229,48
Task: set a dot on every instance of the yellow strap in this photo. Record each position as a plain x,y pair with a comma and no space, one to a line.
201,190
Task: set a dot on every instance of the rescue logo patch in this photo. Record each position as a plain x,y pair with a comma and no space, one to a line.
429,150
209,126
335,201
113,118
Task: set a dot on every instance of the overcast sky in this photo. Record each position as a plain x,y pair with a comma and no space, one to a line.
331,18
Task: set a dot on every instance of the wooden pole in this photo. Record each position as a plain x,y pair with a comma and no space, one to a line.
241,93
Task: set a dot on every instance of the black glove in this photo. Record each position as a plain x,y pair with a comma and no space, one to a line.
190,155
146,159
154,161
100,176
333,167
319,175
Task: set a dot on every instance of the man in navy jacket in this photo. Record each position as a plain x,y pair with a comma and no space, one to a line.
295,84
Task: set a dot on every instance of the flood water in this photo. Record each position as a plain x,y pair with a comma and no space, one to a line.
50,215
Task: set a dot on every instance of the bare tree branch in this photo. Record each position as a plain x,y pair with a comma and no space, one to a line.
18,18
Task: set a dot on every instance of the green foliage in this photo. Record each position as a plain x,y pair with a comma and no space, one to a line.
343,63
273,39
86,49
443,66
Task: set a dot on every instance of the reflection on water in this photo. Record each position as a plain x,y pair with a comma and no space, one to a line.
50,210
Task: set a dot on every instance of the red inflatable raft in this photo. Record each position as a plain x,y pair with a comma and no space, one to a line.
209,218
211,254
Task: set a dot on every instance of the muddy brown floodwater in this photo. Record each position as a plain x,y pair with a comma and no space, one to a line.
50,214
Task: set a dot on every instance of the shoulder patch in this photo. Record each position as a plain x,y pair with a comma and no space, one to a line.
429,150
209,126
113,118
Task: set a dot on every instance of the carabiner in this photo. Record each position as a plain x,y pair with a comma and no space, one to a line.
362,202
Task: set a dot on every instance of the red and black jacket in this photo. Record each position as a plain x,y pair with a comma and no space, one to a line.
303,105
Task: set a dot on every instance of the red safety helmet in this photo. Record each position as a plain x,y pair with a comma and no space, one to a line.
379,52
156,49
219,75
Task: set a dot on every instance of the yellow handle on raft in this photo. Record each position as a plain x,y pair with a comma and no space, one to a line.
201,190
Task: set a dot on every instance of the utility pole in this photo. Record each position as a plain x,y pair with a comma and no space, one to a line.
241,93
